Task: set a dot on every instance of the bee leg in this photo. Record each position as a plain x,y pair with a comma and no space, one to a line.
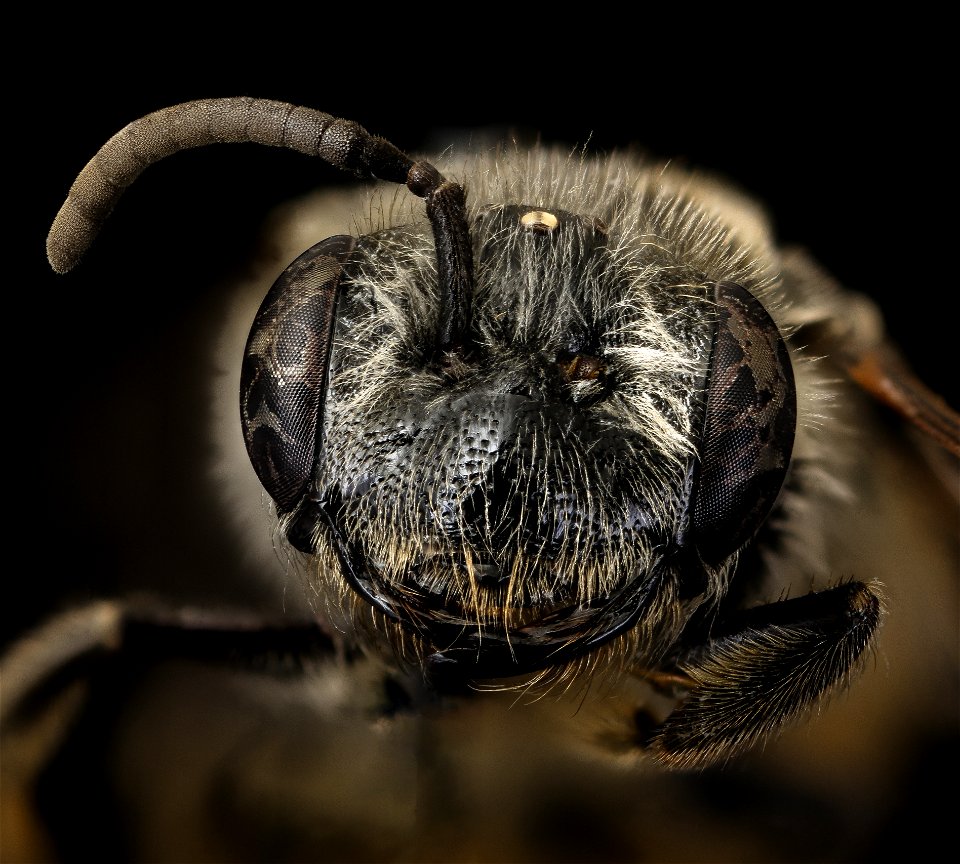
761,668
51,674
77,643
44,693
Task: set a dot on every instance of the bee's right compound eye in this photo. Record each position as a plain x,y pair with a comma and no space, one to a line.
749,428
283,382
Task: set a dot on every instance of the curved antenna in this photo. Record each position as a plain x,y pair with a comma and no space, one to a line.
343,144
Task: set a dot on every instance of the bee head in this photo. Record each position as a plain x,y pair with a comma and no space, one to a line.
572,452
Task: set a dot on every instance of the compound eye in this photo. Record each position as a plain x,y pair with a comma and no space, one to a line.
283,381
749,428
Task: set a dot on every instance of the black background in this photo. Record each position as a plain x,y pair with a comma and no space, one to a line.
830,129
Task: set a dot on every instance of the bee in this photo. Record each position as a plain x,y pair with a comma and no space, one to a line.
570,438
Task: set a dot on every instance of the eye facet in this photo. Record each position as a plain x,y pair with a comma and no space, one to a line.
749,428
283,381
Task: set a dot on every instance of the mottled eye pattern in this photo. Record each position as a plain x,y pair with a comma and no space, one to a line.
751,418
283,380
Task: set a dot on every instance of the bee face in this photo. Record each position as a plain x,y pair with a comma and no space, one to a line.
536,471
613,425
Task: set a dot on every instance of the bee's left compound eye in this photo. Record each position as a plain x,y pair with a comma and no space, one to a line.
750,423
284,378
